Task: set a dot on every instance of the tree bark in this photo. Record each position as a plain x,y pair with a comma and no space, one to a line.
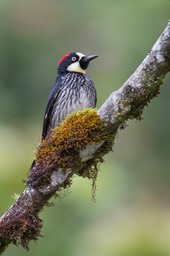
21,222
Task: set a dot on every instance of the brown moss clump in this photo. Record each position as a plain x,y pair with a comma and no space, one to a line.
20,229
64,143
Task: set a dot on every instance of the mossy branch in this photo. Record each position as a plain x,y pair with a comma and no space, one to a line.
79,143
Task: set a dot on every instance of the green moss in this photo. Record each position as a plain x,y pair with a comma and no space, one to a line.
62,148
65,142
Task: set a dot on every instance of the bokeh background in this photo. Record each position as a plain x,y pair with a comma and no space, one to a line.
131,215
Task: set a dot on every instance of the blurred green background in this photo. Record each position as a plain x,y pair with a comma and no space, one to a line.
131,216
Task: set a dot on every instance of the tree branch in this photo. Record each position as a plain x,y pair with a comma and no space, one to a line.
80,143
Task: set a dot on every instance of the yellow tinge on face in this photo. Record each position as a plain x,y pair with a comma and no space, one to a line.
75,67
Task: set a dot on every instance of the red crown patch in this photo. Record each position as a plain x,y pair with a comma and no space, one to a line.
63,58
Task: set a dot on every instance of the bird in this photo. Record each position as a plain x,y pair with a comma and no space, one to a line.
72,91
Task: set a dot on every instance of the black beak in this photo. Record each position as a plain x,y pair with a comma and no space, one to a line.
86,59
89,58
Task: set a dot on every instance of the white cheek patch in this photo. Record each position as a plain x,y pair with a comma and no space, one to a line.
75,67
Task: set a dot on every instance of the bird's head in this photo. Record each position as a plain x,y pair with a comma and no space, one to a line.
74,62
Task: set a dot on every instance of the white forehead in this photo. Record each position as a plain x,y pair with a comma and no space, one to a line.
80,55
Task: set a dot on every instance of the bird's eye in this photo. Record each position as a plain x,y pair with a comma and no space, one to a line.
73,58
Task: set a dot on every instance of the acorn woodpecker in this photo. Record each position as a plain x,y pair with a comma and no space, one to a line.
72,91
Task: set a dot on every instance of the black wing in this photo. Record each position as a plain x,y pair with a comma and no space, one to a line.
51,100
